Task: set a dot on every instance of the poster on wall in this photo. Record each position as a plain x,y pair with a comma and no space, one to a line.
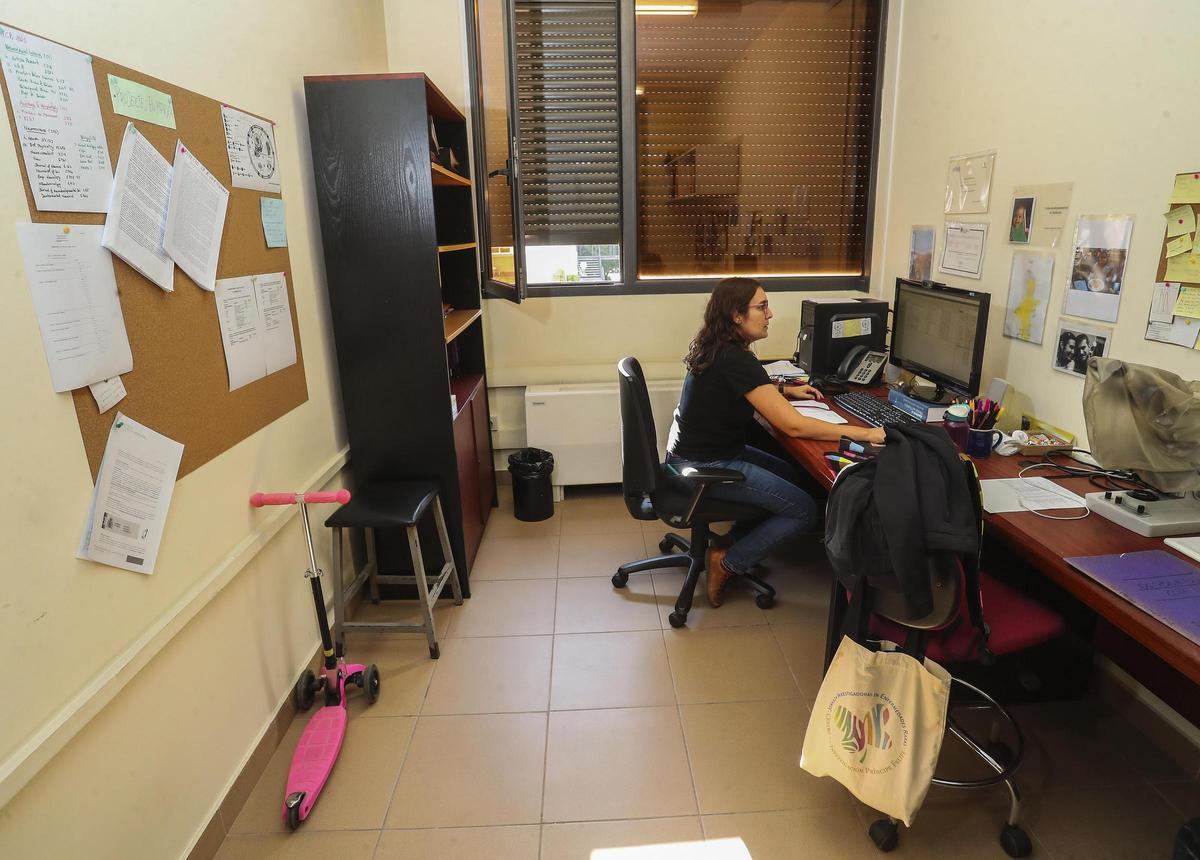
969,183
1097,271
1028,295
1053,203
1077,342
920,253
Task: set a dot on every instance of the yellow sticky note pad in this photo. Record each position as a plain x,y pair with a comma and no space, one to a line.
1179,245
1189,303
1183,267
1187,188
1180,220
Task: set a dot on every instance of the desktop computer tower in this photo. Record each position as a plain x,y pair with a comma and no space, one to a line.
831,328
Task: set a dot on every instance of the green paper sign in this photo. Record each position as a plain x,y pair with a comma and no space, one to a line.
130,98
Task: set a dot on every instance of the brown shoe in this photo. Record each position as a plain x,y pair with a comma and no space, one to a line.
718,577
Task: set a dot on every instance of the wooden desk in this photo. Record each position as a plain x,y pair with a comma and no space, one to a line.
1045,544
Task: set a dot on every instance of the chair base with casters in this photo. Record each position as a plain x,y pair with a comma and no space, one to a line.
692,556
398,504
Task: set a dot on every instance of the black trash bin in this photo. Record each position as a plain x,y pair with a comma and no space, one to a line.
533,496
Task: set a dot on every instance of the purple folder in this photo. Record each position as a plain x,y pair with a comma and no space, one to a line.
1155,581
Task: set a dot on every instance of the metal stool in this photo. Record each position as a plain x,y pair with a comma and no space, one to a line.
392,505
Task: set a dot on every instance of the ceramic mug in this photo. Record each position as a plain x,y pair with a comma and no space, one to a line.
981,442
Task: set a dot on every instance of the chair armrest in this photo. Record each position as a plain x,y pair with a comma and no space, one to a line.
709,475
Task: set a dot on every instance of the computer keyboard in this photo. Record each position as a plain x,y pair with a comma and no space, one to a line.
874,410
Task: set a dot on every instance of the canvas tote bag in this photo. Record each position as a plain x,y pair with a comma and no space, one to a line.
877,726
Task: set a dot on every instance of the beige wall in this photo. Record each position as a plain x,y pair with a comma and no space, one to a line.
1075,90
144,774
429,37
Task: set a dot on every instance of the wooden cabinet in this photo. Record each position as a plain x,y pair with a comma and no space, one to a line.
398,237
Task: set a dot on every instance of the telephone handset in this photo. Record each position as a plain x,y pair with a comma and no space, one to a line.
862,365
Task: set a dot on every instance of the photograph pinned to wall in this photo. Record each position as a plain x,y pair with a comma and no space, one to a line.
1077,342
1029,286
969,183
1020,225
1053,204
962,248
920,253
1098,266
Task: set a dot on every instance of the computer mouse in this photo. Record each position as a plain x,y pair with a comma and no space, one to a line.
827,386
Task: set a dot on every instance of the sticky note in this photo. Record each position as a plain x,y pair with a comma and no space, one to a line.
1180,220
139,101
1184,267
272,221
1179,245
1187,188
1188,304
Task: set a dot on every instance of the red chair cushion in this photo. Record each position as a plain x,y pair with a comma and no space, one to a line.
1015,621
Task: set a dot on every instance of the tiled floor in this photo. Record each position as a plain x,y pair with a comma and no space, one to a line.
565,716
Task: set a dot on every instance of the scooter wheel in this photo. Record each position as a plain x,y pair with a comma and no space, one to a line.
305,691
371,683
293,817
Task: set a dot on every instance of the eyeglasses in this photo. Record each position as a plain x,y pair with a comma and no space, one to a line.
762,306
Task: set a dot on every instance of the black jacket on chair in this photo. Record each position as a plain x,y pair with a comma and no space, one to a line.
885,515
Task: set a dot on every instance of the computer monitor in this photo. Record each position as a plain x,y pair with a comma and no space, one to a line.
938,333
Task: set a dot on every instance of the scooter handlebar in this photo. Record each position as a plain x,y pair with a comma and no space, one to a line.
339,497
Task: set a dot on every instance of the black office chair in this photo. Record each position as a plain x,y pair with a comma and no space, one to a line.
657,491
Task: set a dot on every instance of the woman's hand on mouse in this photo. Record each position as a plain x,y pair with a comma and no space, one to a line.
803,392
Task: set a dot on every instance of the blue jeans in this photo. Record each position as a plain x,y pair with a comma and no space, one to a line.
771,485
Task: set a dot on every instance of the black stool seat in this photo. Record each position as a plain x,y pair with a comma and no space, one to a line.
385,505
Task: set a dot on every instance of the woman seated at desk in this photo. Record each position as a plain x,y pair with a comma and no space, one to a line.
724,387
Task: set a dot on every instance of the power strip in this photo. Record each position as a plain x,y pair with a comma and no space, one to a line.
1169,516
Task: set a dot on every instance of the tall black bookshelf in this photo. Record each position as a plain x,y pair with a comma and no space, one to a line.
398,236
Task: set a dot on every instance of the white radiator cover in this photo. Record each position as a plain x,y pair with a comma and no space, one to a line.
581,426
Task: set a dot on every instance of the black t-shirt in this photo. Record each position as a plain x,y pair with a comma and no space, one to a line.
713,409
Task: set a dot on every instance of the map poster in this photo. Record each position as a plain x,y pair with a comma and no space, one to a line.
1028,295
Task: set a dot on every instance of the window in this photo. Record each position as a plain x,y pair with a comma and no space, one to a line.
748,145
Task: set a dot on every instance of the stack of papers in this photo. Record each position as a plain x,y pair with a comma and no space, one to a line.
1007,495
786,369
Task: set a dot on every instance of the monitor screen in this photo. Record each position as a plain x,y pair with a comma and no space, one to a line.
938,333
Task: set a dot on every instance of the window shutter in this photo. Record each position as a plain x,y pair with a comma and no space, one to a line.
567,119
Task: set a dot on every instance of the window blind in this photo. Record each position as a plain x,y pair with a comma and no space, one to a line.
754,137
567,116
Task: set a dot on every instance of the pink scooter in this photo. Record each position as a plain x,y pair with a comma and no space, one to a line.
322,739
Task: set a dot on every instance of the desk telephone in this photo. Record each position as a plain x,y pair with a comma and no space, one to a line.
861,365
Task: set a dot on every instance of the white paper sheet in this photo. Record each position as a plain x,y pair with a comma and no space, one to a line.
1029,285
53,94
1050,215
256,326
108,393
195,218
1097,273
250,142
137,215
826,415
783,367
1162,301
1181,331
1007,495
962,251
75,298
969,183
133,493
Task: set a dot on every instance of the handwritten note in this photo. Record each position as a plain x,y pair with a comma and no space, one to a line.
53,95
129,98
1188,303
274,227
1187,188
1183,267
1179,245
1180,220
1162,302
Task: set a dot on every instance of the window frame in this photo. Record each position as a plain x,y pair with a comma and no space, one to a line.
630,284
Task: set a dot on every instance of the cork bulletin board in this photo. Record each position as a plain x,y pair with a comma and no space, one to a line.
179,385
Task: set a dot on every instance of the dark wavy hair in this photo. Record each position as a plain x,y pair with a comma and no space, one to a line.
730,296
